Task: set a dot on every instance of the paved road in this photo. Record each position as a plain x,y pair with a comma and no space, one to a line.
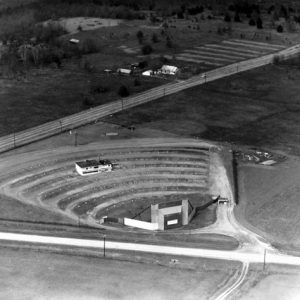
235,255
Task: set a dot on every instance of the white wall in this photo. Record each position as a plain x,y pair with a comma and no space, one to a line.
140,224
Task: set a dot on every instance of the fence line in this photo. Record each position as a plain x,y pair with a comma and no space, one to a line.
17,139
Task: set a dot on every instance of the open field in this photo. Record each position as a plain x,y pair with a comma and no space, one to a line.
269,202
275,282
30,275
258,108
50,94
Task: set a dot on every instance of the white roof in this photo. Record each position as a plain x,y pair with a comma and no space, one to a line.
75,41
147,73
167,68
127,71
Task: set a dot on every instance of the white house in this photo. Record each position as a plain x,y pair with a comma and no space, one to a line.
89,167
170,70
124,71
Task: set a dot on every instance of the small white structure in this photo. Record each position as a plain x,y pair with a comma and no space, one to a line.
74,41
170,70
147,73
124,71
89,167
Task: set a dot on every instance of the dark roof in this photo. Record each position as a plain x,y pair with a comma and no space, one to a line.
92,163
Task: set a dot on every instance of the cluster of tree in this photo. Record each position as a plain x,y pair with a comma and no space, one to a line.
244,7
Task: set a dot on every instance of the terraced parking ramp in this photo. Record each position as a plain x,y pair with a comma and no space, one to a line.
145,170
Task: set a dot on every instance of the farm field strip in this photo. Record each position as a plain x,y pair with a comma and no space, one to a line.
232,51
226,52
263,47
205,56
210,53
200,61
259,43
239,49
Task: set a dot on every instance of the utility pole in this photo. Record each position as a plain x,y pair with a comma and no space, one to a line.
76,135
104,236
265,253
60,122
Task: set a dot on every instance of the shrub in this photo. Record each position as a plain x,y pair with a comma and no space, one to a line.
97,89
169,43
48,33
259,23
123,91
227,18
89,46
88,100
147,49
155,38
277,59
279,28
140,36
143,64
137,82
237,17
88,66
252,22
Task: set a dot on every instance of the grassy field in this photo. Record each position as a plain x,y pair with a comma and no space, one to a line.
258,108
32,275
275,282
50,94
269,202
